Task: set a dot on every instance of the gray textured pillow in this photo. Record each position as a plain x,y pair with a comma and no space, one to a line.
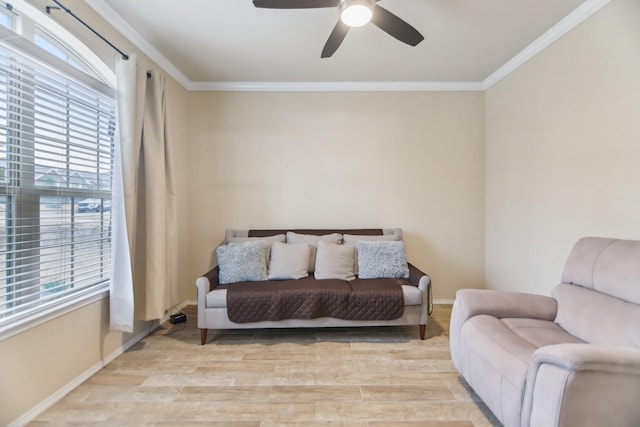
382,259
242,262
312,241
334,261
270,240
289,261
353,239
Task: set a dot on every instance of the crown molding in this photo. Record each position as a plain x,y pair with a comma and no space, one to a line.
575,18
335,86
113,18
584,11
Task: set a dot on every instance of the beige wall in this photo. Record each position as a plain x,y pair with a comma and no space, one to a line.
38,363
563,150
340,160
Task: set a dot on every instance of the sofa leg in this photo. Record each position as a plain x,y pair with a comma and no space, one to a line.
423,328
203,336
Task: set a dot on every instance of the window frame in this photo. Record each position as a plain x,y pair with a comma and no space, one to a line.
54,33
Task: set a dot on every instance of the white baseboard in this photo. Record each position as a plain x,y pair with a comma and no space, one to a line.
55,397
443,301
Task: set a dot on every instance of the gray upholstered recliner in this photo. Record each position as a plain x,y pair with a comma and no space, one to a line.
572,359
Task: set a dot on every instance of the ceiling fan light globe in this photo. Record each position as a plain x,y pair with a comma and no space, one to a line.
356,15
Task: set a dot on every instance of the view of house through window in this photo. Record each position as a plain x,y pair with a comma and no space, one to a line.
57,127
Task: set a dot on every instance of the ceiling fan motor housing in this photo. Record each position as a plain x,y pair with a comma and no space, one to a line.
356,13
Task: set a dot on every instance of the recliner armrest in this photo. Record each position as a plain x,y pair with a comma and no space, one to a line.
474,302
583,384
500,304
589,357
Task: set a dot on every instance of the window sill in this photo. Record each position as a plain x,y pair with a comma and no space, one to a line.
22,325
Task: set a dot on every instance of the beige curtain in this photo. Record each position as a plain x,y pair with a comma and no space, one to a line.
148,203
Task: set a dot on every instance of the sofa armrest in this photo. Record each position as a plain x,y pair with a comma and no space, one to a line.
205,284
415,274
213,277
423,282
583,384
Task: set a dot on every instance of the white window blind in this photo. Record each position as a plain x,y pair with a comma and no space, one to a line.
56,154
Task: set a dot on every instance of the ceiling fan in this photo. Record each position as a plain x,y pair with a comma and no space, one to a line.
353,13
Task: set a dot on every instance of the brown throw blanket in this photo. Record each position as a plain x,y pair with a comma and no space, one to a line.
373,299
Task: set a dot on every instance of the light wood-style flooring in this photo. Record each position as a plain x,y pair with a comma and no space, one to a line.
355,377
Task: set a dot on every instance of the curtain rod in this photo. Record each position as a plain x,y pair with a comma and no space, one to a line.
60,6
87,26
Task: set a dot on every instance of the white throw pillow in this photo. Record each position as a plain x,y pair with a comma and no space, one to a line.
312,241
289,261
334,261
242,262
382,260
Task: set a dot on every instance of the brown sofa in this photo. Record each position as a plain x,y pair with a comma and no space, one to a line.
213,298
572,359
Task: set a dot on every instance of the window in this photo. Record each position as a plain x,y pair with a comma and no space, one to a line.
57,127
51,45
7,16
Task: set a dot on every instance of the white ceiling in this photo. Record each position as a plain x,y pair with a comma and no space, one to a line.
218,42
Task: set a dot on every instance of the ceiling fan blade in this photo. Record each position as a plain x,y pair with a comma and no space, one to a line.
335,39
295,4
396,27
